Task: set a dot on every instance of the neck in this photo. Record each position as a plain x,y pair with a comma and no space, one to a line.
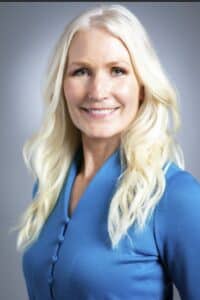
95,153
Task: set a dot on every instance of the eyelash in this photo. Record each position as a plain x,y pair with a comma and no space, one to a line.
75,73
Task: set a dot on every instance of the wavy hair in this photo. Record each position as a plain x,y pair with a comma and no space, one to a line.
147,146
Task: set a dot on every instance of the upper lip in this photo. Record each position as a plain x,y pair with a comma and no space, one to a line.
100,107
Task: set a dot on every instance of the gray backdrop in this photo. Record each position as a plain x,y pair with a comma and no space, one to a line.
28,32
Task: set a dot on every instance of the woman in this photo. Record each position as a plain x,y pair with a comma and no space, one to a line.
114,214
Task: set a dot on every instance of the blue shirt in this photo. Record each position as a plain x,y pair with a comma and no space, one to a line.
73,260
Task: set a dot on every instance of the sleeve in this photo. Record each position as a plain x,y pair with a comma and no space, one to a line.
29,289
35,188
177,232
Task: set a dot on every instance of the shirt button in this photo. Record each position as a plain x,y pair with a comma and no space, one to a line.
54,258
61,238
66,221
50,280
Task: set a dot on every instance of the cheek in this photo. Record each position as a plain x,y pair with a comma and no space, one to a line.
128,95
73,93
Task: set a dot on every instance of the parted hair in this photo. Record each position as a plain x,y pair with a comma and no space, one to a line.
147,146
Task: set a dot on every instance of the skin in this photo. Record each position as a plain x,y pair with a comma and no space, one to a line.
109,85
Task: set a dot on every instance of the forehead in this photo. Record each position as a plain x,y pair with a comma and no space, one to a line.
97,43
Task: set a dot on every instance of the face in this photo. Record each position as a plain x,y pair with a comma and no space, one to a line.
100,86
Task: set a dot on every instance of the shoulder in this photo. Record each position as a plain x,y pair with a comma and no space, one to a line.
178,176
182,191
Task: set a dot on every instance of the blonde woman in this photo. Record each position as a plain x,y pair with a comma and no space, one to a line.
114,214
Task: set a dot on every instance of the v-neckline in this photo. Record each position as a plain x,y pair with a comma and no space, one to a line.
72,173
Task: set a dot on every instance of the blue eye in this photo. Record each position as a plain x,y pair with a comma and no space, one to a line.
119,70
79,72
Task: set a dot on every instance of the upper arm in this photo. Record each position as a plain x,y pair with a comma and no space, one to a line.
177,229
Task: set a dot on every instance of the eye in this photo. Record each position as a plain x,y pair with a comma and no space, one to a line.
80,71
119,70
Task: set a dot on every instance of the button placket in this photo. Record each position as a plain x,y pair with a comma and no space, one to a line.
64,225
55,258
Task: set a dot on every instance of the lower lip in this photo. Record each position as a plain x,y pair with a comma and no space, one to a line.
96,115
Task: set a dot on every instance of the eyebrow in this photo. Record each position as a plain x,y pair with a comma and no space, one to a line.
108,64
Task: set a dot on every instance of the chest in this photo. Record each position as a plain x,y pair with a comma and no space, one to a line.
83,258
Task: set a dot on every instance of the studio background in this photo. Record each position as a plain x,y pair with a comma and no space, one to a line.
28,32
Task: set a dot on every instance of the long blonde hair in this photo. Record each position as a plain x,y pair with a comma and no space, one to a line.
146,146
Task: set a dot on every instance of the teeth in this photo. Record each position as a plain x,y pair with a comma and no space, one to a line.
100,111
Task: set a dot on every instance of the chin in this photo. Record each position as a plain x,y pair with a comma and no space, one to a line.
101,135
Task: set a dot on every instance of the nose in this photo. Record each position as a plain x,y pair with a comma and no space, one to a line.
98,87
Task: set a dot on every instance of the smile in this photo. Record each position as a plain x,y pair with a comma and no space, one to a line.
100,113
